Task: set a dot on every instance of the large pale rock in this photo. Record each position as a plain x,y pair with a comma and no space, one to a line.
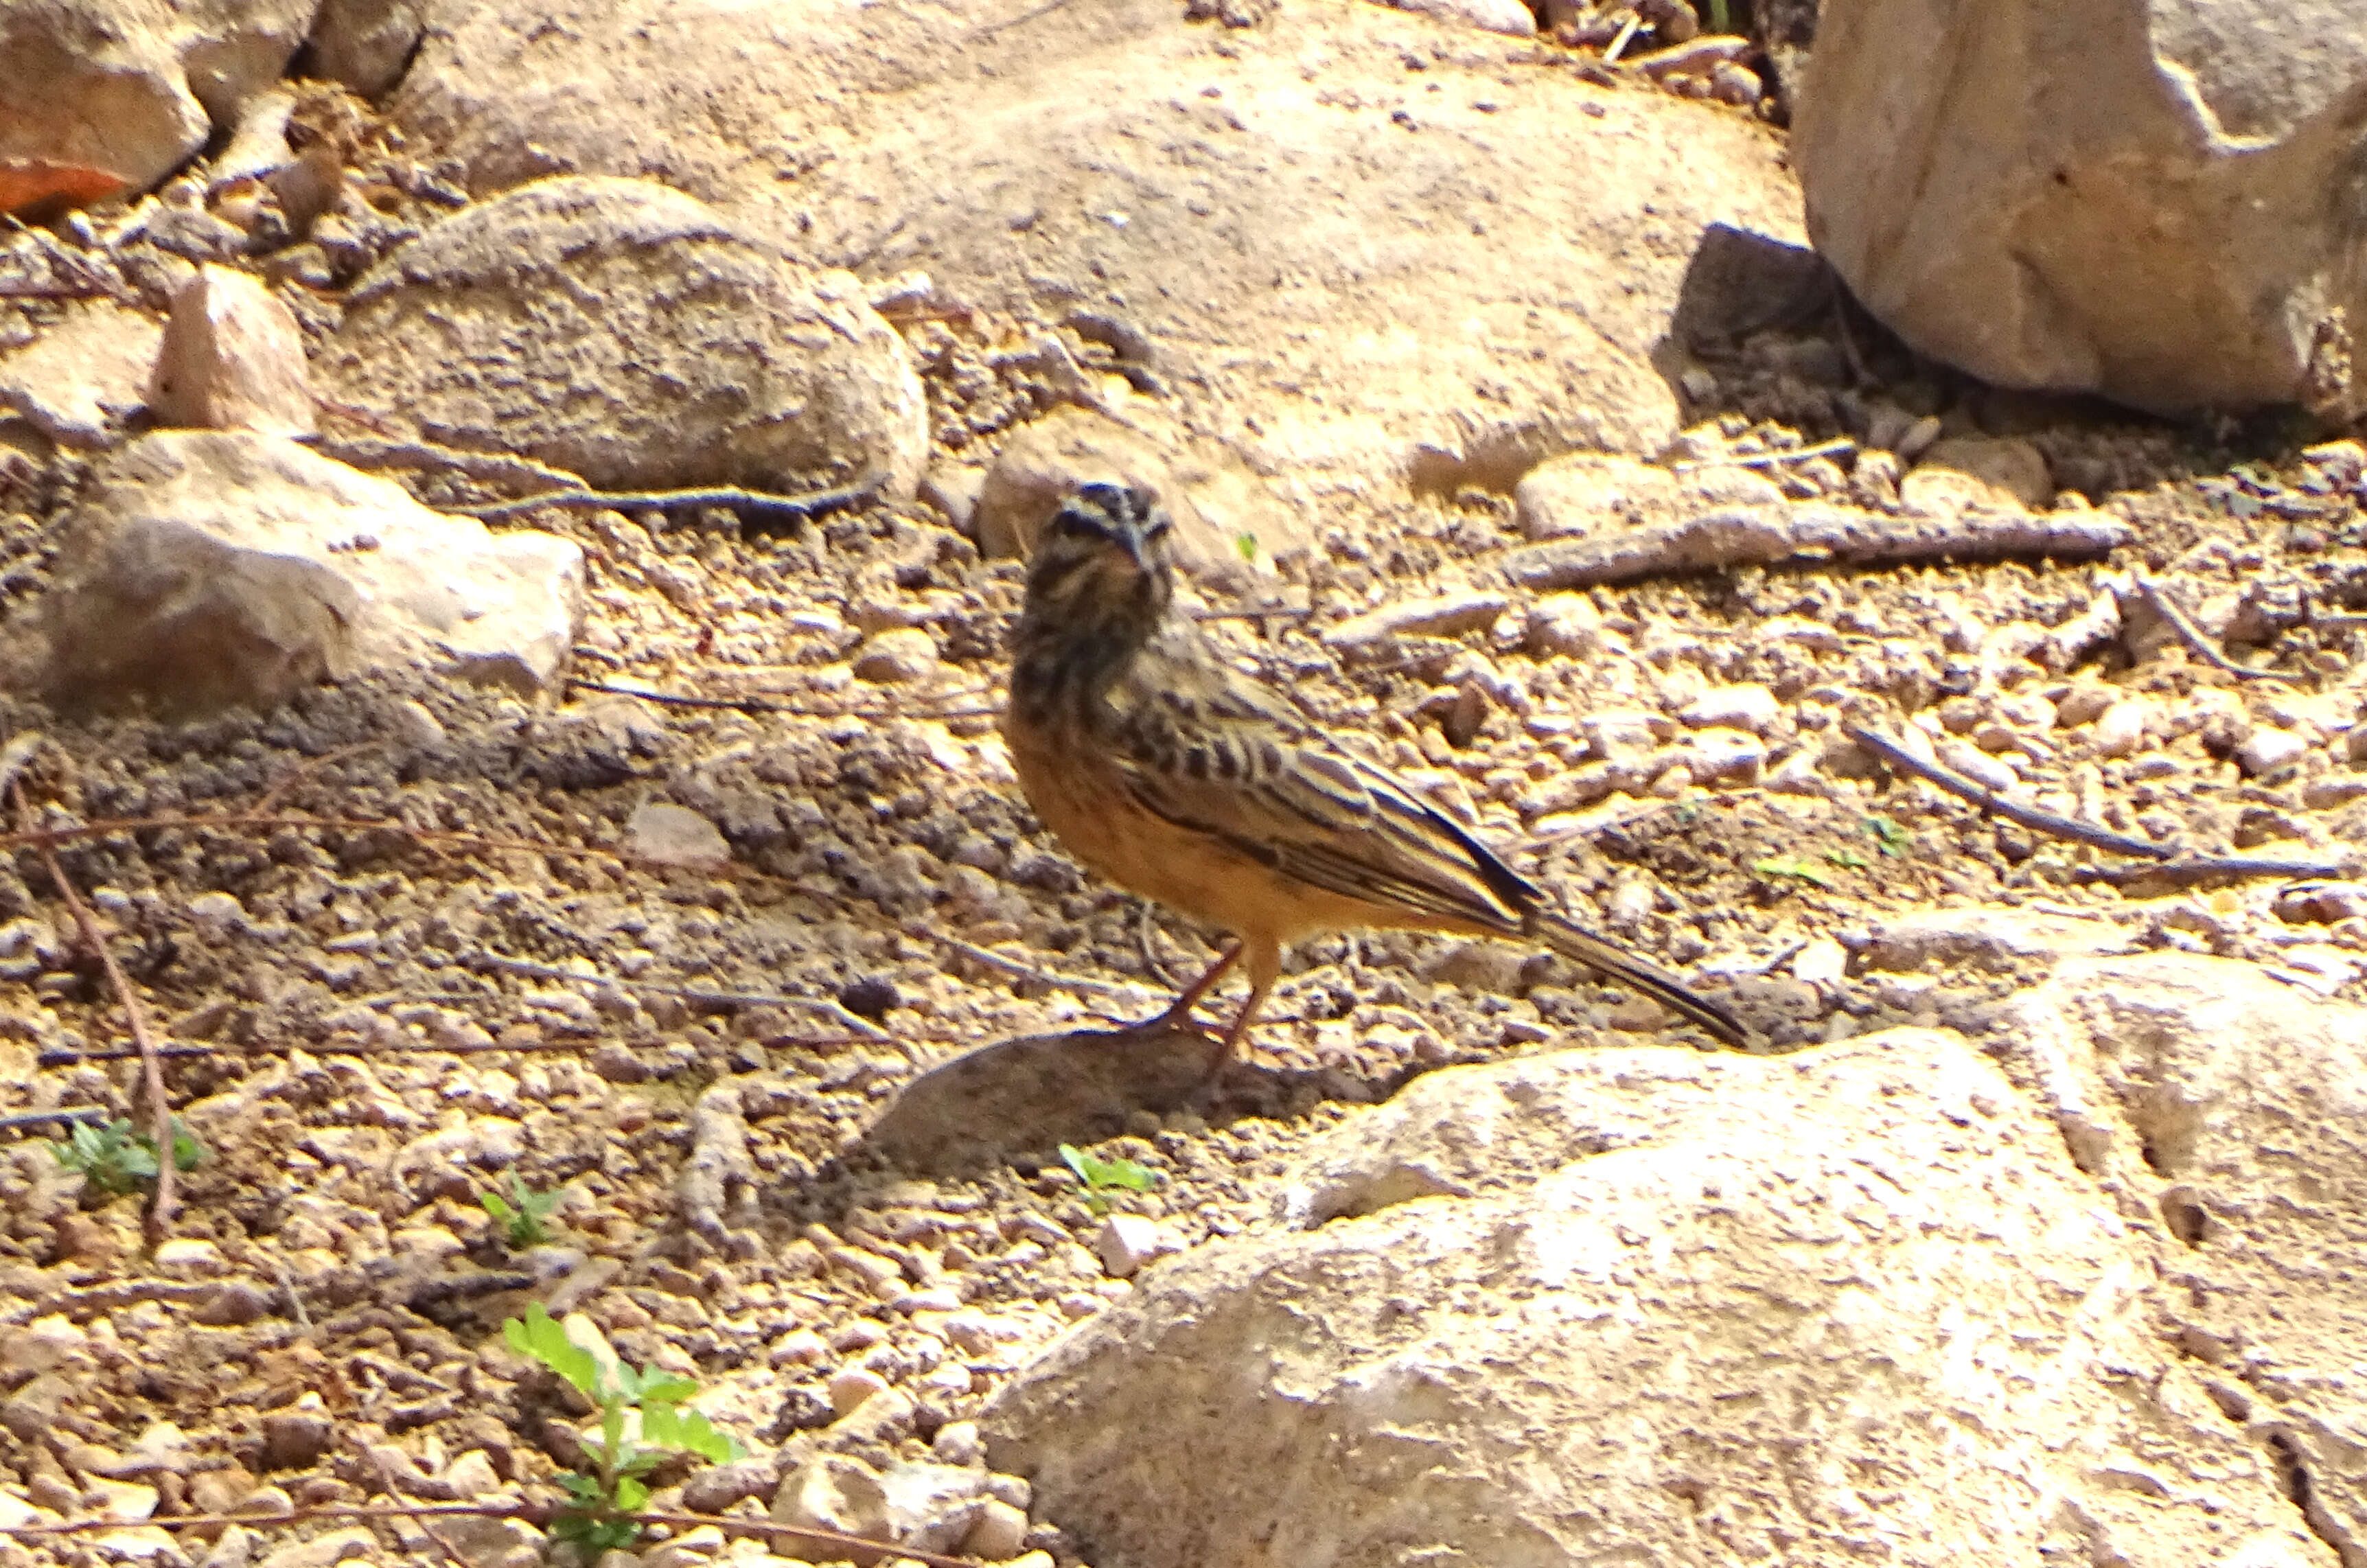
135,88
1647,1306
2225,1111
632,334
225,567
1351,269
2154,199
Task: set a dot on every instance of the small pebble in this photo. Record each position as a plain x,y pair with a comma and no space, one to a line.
998,1533
1741,707
957,1442
850,1388
1126,1241
2270,750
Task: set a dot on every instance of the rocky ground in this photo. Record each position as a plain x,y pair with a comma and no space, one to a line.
687,965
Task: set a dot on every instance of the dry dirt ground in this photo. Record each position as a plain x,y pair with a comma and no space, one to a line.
478,973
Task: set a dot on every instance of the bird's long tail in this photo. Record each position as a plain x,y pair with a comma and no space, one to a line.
1618,964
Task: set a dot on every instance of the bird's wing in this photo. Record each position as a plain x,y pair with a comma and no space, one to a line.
1214,752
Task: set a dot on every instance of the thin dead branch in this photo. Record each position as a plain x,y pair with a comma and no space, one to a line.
536,1515
2158,599
760,503
696,994
157,1224
764,705
2169,859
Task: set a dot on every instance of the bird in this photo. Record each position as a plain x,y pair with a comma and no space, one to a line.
1168,771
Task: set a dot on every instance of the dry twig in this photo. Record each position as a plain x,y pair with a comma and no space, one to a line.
534,1514
698,994
763,705
761,503
2158,599
158,1223
2169,859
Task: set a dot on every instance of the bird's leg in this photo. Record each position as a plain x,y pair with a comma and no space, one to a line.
1266,968
1179,1016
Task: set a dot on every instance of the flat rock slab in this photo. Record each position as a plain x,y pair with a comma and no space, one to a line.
1031,1095
633,336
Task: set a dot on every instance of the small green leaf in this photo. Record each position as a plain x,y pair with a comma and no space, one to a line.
1795,867
631,1495
1889,838
1848,857
1248,545
1098,1175
539,1335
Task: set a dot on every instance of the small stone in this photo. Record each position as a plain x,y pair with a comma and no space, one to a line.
236,1303
667,834
353,1543
957,1442
2270,750
472,1474
698,1545
998,1532
832,1492
1978,470
2121,728
190,1257
221,1490
974,1333
799,1347
1567,624
931,1507
892,657
1823,962
887,1417
872,997
414,726
1724,755
1742,707
1126,1241
2333,790
232,359
851,1386
295,1440
1733,83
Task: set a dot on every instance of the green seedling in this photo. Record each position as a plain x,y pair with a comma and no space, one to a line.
1794,866
521,1214
1845,855
1100,1176
114,1157
603,1509
1247,544
1888,836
